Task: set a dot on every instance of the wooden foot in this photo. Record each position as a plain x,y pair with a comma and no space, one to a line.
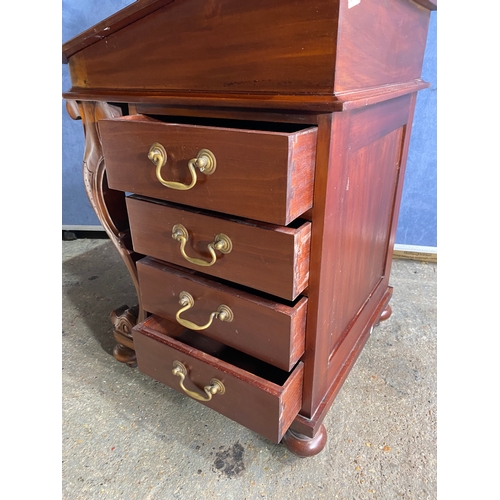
125,355
386,314
304,446
124,319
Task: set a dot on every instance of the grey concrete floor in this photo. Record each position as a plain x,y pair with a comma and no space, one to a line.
126,436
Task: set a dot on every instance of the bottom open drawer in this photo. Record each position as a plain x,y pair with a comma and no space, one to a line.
255,394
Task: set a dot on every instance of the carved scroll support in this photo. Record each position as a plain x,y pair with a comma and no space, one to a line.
109,205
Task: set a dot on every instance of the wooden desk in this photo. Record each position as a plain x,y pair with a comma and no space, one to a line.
247,160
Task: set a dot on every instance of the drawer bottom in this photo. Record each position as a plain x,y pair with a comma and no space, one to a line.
261,397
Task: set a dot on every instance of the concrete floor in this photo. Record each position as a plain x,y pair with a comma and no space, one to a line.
126,436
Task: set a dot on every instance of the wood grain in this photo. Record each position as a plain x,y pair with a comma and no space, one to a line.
110,25
380,43
236,102
200,45
267,330
318,47
272,259
263,399
358,181
262,175
308,108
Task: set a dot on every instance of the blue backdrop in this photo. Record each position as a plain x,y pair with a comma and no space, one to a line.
417,221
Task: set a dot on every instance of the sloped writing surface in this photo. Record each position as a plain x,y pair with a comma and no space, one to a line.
319,47
114,15
194,45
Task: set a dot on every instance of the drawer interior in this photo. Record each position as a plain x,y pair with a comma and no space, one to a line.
227,354
279,127
261,397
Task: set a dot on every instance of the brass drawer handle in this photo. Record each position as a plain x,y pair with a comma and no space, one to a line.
186,300
214,387
221,242
204,161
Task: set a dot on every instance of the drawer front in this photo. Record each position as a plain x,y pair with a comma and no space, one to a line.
259,175
262,398
269,331
272,259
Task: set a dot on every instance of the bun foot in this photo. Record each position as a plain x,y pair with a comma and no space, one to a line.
125,355
386,314
304,446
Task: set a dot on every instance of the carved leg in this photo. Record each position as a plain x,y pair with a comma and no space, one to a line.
109,205
124,319
304,446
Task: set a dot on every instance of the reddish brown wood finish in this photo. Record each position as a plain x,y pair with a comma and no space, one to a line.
125,354
266,403
282,48
310,426
305,446
386,314
262,328
124,318
226,46
428,4
355,214
272,259
261,175
110,208
374,47
351,73
341,360
112,24
290,103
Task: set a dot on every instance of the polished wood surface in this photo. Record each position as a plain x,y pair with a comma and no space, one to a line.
357,181
260,174
373,46
266,43
304,446
290,103
111,24
262,328
272,259
283,47
308,108
257,395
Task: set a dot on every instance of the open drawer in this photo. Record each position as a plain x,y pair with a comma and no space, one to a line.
263,175
262,328
272,259
259,396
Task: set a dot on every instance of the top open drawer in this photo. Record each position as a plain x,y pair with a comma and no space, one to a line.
257,174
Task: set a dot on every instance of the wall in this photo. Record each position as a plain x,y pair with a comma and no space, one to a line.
417,221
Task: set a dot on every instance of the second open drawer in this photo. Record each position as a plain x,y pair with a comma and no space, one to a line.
252,393
269,258
267,330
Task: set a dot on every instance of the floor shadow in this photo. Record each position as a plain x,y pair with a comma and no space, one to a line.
95,282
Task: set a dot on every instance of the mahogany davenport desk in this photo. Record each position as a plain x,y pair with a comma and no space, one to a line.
247,160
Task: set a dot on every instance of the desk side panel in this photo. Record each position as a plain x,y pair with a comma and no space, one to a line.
380,43
357,195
